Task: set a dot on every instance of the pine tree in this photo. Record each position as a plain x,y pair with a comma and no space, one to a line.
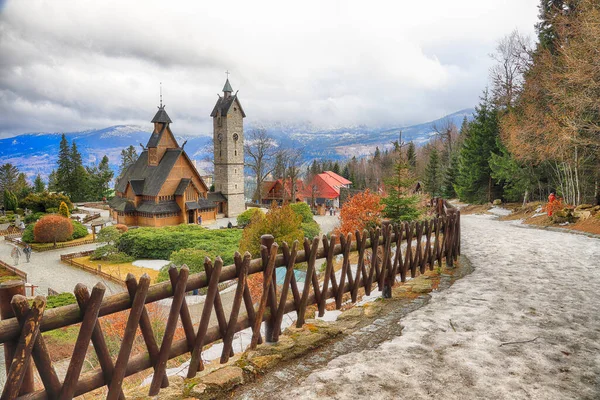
53,181
128,157
8,177
411,156
474,182
22,188
399,204
38,184
433,174
346,172
64,210
450,175
99,180
279,169
377,155
336,168
64,170
10,201
78,185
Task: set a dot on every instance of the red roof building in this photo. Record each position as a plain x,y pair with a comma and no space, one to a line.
280,191
325,188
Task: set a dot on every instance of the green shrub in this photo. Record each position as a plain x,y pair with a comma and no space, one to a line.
159,243
52,210
33,217
27,236
64,210
244,218
20,211
310,229
59,300
45,202
303,210
193,258
79,230
119,258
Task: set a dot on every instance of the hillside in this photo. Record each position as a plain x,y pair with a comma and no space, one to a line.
37,152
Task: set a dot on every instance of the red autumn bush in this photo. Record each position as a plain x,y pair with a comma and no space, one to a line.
52,228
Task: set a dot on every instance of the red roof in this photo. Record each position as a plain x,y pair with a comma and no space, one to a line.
326,185
340,179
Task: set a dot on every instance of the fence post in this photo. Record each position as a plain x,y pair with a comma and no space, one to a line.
386,293
7,290
270,337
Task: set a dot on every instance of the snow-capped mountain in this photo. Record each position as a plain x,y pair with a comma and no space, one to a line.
37,152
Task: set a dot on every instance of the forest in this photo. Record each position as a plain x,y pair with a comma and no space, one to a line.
535,131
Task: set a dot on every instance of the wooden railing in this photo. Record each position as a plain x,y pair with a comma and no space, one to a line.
381,258
14,270
91,217
69,259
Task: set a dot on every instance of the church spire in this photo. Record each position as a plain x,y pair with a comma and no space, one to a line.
227,88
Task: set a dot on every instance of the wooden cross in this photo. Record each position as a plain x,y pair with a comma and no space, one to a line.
227,72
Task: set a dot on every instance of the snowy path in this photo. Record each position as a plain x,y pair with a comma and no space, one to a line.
527,284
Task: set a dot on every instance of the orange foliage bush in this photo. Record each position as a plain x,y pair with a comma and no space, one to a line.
362,211
52,228
553,206
255,284
121,228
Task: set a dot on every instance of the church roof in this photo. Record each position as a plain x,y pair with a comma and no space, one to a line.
216,197
224,104
183,184
155,137
153,177
161,116
227,87
160,208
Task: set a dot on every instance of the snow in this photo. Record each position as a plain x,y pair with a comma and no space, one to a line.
527,284
330,316
152,264
499,211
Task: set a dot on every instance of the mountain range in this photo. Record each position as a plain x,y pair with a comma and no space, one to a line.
35,153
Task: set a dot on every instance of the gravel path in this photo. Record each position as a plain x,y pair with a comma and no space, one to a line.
528,285
46,271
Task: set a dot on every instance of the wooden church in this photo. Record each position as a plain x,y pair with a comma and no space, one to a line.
163,187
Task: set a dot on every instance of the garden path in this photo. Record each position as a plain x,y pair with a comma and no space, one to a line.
523,325
46,271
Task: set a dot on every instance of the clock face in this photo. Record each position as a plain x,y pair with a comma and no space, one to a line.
220,137
235,136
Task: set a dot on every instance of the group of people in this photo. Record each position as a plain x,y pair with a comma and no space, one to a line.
16,253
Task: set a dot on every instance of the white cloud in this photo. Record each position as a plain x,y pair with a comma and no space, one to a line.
83,64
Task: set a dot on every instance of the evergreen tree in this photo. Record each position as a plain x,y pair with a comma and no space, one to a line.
450,175
53,181
346,172
128,157
336,168
78,185
550,10
411,156
99,180
8,177
399,204
377,155
64,170
433,174
10,201
64,210
474,182
38,184
22,187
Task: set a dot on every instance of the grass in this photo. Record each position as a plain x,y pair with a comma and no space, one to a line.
46,246
119,270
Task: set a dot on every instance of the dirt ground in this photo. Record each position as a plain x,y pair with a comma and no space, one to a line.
523,325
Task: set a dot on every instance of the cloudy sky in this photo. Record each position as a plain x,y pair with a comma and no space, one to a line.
75,65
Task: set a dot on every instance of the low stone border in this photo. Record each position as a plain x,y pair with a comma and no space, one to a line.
555,229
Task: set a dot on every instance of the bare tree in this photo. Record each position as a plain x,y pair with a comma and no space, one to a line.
260,150
513,56
292,160
446,131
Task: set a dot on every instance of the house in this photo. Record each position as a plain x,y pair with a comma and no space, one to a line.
281,191
324,189
162,187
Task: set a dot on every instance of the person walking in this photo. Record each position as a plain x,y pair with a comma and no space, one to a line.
27,250
15,254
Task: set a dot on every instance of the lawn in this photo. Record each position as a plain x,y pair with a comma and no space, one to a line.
50,246
118,270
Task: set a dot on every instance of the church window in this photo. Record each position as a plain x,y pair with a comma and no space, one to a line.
219,123
236,152
236,185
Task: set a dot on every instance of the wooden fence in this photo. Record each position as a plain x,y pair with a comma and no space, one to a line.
69,259
14,270
383,254
91,217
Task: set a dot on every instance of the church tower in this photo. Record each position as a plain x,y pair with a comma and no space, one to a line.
228,137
